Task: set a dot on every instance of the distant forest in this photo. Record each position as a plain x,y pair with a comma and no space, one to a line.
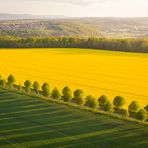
126,45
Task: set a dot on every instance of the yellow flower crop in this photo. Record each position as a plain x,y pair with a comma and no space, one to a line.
96,72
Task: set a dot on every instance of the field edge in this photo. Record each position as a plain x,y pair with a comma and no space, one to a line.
85,108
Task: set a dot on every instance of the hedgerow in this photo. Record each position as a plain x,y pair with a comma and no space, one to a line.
89,103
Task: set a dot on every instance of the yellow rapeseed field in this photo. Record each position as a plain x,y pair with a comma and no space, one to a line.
96,72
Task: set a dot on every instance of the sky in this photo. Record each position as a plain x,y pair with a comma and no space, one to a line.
77,8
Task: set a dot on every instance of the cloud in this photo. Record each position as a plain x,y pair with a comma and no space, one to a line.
76,2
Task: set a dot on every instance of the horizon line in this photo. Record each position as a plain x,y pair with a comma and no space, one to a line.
74,16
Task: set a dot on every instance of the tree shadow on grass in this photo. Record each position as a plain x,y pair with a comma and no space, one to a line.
34,123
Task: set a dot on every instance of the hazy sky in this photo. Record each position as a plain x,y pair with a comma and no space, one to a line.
77,8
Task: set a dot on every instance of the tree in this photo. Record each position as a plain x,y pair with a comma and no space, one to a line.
55,93
133,107
80,100
131,45
36,87
2,82
146,108
11,80
46,92
67,94
46,89
45,85
91,102
66,90
118,102
141,115
102,101
79,97
108,107
78,93
28,85
87,99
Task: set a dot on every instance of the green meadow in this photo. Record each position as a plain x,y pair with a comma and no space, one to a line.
31,122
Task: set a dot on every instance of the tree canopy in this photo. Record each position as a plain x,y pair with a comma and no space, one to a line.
141,115
118,102
102,100
79,97
11,79
67,94
56,93
36,86
91,102
133,107
130,45
108,106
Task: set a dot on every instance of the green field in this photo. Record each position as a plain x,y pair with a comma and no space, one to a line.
30,122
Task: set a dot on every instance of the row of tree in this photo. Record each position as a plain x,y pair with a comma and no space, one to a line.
128,45
77,97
